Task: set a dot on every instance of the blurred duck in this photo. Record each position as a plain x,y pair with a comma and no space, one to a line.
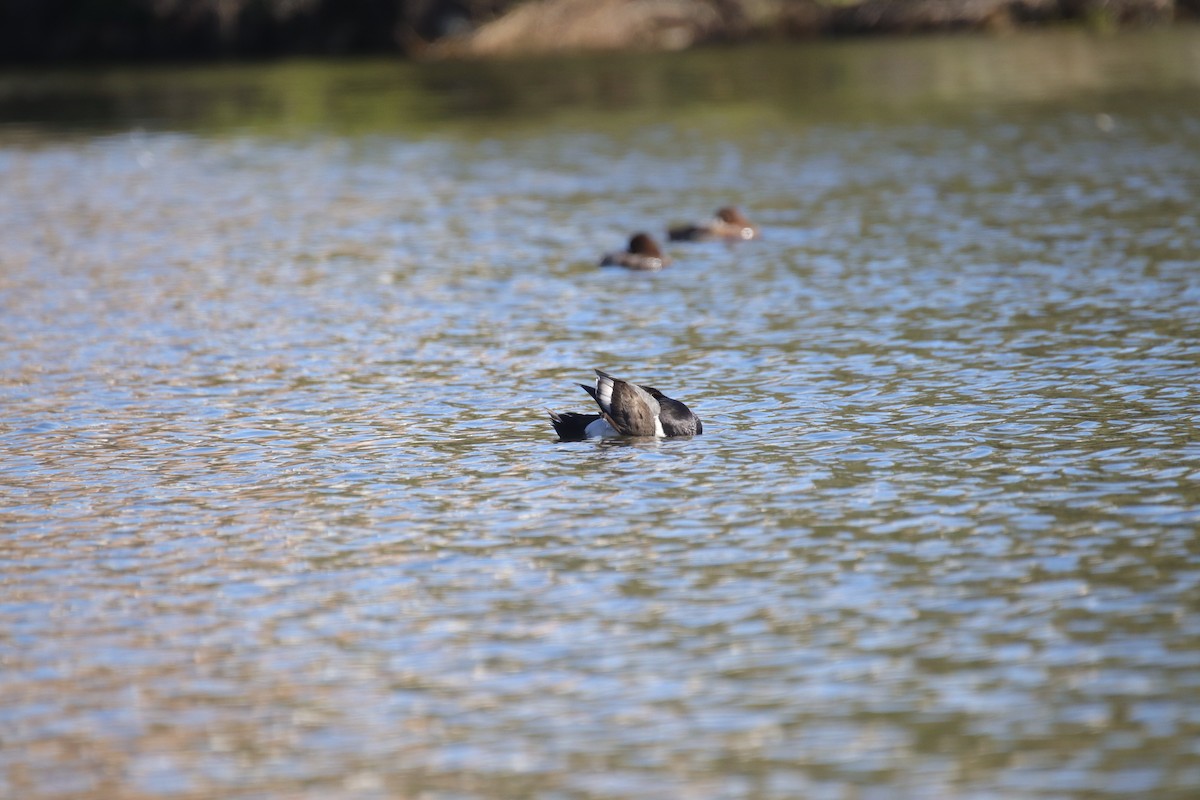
627,409
727,223
643,254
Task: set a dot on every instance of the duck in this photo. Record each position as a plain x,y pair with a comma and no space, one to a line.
626,409
643,255
727,223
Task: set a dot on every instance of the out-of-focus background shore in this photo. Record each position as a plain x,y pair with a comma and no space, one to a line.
41,31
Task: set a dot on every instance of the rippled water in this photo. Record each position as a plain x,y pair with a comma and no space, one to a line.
283,515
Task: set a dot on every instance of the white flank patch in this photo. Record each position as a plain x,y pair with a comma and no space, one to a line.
599,429
658,428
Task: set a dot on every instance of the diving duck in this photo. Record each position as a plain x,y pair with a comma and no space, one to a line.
727,223
643,254
627,409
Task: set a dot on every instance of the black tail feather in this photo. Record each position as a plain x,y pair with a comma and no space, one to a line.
571,426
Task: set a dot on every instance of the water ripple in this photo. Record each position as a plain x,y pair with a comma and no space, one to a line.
284,514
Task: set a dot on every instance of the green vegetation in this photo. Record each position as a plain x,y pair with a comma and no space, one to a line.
712,88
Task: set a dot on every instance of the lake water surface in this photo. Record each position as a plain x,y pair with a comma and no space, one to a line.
282,515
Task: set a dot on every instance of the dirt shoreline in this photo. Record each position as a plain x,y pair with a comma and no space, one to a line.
561,26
